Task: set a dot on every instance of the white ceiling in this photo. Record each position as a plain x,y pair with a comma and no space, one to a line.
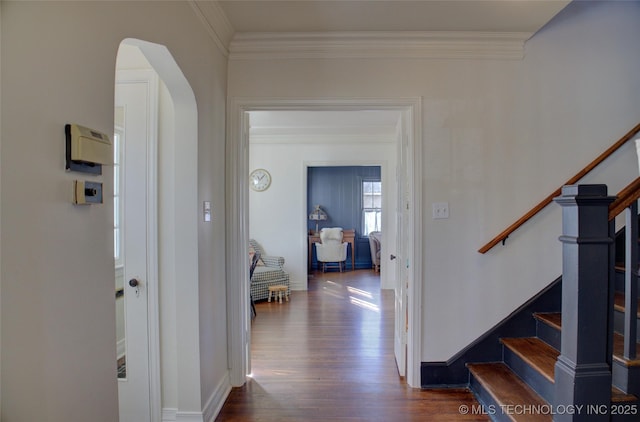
390,15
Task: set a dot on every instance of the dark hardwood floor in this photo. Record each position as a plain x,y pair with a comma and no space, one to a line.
327,355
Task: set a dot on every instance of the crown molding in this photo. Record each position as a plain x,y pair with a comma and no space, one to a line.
215,22
394,45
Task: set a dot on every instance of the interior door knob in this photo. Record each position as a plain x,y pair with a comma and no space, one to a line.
134,282
392,257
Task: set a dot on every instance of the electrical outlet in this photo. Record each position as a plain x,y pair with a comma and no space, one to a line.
440,210
86,192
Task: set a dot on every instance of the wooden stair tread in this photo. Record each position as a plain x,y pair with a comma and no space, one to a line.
618,396
618,351
536,353
553,319
618,303
621,267
507,389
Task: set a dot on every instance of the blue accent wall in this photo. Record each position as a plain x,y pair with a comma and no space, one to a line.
338,191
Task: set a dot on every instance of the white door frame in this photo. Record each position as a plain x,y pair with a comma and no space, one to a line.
238,218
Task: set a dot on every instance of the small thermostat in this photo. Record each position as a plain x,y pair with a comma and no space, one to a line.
87,149
87,193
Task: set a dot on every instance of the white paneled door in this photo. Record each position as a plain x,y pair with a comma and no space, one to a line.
134,99
401,258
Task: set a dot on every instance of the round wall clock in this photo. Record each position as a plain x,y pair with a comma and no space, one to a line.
259,180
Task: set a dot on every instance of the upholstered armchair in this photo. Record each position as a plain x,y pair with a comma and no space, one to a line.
331,250
375,242
268,271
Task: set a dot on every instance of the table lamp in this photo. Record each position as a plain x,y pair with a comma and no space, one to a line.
316,215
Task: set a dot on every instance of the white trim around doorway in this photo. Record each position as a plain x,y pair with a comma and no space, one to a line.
238,218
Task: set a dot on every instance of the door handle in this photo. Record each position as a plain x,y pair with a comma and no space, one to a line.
136,285
392,257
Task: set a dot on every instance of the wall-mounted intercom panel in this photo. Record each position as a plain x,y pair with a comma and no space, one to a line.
87,193
87,149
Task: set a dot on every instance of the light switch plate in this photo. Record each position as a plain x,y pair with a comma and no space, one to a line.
206,208
440,210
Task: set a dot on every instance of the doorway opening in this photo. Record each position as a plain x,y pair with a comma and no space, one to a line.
349,197
408,160
155,127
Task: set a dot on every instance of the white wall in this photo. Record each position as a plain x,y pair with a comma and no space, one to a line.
168,312
498,136
58,314
0,217
278,216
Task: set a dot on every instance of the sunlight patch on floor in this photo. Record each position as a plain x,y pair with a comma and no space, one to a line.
333,293
364,304
355,291
283,372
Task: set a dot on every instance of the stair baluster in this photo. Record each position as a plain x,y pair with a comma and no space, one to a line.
631,281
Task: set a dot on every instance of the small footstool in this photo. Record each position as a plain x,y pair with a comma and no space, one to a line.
277,291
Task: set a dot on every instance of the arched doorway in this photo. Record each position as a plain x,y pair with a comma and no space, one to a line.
170,201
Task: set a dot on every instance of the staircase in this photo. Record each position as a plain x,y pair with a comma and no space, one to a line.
522,387
582,364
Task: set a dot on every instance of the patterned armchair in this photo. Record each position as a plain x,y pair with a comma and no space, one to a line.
268,272
375,241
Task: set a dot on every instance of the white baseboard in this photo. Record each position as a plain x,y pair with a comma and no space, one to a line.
173,415
169,414
211,408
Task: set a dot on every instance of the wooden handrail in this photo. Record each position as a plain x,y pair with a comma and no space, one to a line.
625,198
546,201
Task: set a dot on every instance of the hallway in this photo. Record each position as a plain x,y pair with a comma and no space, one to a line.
327,355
